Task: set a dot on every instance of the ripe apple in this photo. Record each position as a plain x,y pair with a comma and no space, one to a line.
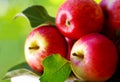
42,42
94,58
76,18
111,9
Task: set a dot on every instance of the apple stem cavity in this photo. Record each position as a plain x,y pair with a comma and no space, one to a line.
67,23
81,56
34,47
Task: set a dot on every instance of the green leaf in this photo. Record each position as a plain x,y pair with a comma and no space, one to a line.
38,15
18,72
19,66
73,78
56,69
19,69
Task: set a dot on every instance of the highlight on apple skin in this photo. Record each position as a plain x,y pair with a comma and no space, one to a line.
42,42
94,58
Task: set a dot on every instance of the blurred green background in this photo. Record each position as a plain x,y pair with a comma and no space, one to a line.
13,32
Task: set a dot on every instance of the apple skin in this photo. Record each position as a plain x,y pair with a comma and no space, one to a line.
76,18
70,43
42,42
111,9
94,58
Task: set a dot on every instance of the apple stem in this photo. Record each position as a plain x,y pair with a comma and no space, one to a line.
35,47
80,55
67,23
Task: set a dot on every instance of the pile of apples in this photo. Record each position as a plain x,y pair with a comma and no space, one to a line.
85,33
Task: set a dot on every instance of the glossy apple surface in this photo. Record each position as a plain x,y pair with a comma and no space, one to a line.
111,10
76,18
94,58
42,42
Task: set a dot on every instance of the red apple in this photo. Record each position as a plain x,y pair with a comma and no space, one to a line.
76,18
42,42
111,10
94,58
